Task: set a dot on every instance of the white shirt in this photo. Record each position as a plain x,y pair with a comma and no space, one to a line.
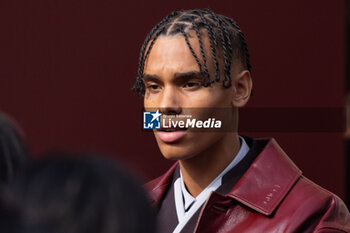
186,204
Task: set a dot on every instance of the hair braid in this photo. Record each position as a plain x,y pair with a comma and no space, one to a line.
223,42
228,80
138,84
213,45
138,87
191,49
151,45
243,41
201,49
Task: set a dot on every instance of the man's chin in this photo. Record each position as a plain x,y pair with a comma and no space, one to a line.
176,153
175,156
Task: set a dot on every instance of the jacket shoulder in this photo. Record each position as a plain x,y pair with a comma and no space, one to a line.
311,200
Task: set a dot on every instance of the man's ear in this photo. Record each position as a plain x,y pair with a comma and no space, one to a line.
242,88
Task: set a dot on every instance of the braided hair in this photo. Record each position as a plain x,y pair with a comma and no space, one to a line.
225,37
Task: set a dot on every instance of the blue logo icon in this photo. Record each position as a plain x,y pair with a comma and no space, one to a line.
151,120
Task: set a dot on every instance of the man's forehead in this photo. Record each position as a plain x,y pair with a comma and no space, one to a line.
171,54
164,46
178,41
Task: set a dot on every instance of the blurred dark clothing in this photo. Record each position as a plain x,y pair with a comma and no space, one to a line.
347,161
70,194
13,151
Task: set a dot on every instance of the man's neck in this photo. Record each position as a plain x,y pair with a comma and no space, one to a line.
199,171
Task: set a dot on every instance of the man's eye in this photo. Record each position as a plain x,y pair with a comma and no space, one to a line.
192,84
153,86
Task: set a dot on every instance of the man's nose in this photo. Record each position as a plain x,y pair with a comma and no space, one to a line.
170,102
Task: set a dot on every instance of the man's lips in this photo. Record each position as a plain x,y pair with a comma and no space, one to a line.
170,135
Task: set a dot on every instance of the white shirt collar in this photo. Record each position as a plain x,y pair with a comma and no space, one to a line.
187,197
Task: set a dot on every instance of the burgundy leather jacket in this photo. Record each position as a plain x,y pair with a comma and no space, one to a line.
271,196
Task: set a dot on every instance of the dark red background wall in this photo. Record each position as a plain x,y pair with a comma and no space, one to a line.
67,67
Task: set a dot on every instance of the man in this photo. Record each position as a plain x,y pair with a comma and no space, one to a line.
195,62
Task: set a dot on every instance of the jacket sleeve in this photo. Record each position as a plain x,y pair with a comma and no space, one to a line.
336,219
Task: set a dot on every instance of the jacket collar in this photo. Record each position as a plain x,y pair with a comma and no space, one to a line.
267,181
262,187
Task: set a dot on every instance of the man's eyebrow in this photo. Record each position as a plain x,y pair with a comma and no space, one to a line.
190,74
150,77
185,75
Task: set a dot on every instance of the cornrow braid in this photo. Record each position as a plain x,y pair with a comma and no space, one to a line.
224,36
192,51
213,45
227,62
243,41
151,45
201,50
227,81
138,87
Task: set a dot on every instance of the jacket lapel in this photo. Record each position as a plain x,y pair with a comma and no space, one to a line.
267,181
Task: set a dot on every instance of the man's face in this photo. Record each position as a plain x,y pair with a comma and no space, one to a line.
173,85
